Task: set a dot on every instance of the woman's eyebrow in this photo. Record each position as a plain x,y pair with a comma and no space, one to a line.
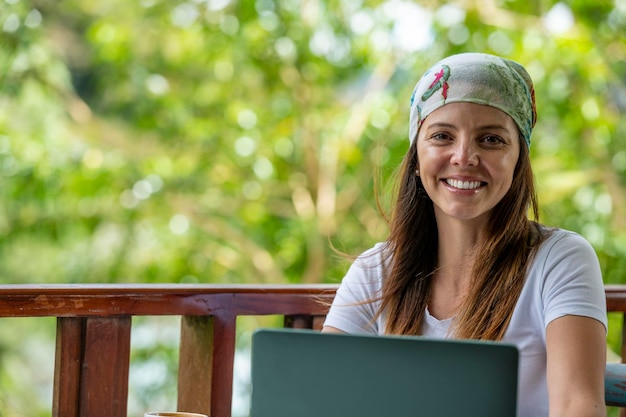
441,124
453,126
494,127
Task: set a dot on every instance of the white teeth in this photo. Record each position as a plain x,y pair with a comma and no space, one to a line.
463,185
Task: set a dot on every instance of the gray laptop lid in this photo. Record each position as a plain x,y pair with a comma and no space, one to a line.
303,373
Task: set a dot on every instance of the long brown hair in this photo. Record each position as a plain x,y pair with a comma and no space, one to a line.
499,268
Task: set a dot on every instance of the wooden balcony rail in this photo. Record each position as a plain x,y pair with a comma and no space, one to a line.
93,336
94,326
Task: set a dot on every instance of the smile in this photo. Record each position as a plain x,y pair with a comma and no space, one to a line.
464,185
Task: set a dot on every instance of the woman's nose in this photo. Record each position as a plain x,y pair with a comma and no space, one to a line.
465,153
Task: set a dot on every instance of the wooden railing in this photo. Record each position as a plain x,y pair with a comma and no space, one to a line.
93,336
94,325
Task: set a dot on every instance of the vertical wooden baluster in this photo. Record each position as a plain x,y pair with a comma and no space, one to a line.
304,322
205,372
104,374
318,322
67,366
224,337
298,321
194,366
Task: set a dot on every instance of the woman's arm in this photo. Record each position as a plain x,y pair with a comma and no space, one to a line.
329,329
576,355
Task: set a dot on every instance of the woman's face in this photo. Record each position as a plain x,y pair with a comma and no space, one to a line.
467,154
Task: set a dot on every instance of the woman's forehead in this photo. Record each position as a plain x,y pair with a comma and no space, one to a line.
469,114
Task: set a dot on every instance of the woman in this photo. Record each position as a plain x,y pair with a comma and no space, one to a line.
463,260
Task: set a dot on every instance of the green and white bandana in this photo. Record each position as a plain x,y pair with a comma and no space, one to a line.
476,78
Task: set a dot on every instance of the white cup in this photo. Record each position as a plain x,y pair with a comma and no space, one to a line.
173,414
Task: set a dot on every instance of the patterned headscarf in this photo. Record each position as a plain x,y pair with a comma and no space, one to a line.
476,78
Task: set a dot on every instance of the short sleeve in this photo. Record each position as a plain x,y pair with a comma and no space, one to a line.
573,282
354,309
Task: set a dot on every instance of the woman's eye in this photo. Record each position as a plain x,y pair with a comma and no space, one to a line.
440,136
493,139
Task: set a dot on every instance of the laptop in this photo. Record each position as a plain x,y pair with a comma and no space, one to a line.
305,373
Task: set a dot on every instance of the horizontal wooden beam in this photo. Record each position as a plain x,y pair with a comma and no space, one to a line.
103,300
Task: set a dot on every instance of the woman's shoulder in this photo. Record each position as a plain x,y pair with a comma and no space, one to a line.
557,237
374,256
564,245
368,267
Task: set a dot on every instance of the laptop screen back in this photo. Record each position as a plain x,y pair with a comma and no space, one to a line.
302,373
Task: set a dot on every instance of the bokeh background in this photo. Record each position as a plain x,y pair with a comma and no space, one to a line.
243,141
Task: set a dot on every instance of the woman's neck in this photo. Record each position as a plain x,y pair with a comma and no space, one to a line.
458,241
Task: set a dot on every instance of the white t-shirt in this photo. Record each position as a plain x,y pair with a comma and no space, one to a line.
564,279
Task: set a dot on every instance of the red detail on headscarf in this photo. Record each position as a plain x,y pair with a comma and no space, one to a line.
438,76
439,79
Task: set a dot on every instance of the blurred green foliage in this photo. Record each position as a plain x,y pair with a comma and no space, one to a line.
231,141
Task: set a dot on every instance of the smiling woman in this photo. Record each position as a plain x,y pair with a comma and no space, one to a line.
464,260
